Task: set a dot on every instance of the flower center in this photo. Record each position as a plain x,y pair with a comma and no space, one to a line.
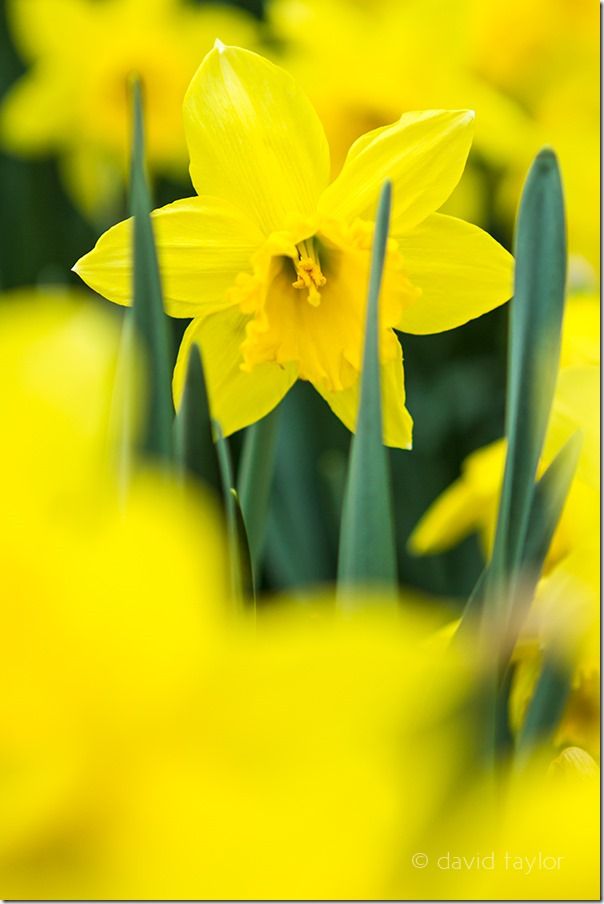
308,271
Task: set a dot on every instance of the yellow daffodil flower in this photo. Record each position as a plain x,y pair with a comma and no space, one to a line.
272,261
74,98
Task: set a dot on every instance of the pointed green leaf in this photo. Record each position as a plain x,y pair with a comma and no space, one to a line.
150,321
367,550
535,327
194,444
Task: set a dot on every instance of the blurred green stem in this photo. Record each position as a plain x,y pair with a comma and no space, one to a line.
255,479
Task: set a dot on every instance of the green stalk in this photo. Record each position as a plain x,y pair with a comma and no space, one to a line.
194,445
240,561
255,480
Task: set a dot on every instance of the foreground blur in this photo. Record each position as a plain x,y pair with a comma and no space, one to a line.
156,742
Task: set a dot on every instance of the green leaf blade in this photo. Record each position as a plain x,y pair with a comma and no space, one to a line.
367,550
255,480
535,329
150,320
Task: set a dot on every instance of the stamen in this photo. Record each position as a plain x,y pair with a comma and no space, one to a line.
308,270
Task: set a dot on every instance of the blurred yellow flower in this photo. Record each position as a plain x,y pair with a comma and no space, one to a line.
272,261
153,746
529,70
157,745
566,610
74,98
545,55
470,503
539,41
390,57
537,841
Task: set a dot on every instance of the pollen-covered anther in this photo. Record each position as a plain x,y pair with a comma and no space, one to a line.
309,277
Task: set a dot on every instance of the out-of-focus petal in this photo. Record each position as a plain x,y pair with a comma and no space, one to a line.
45,92
451,518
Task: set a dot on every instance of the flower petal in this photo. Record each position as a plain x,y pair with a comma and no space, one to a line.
47,92
467,506
451,518
424,155
202,244
462,273
398,423
237,398
34,27
255,139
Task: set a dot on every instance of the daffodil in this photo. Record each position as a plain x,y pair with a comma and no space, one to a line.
74,98
272,261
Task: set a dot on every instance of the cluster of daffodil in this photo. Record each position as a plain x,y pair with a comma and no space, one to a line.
529,70
165,734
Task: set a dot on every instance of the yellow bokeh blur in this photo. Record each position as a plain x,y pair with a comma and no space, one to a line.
158,743
74,98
